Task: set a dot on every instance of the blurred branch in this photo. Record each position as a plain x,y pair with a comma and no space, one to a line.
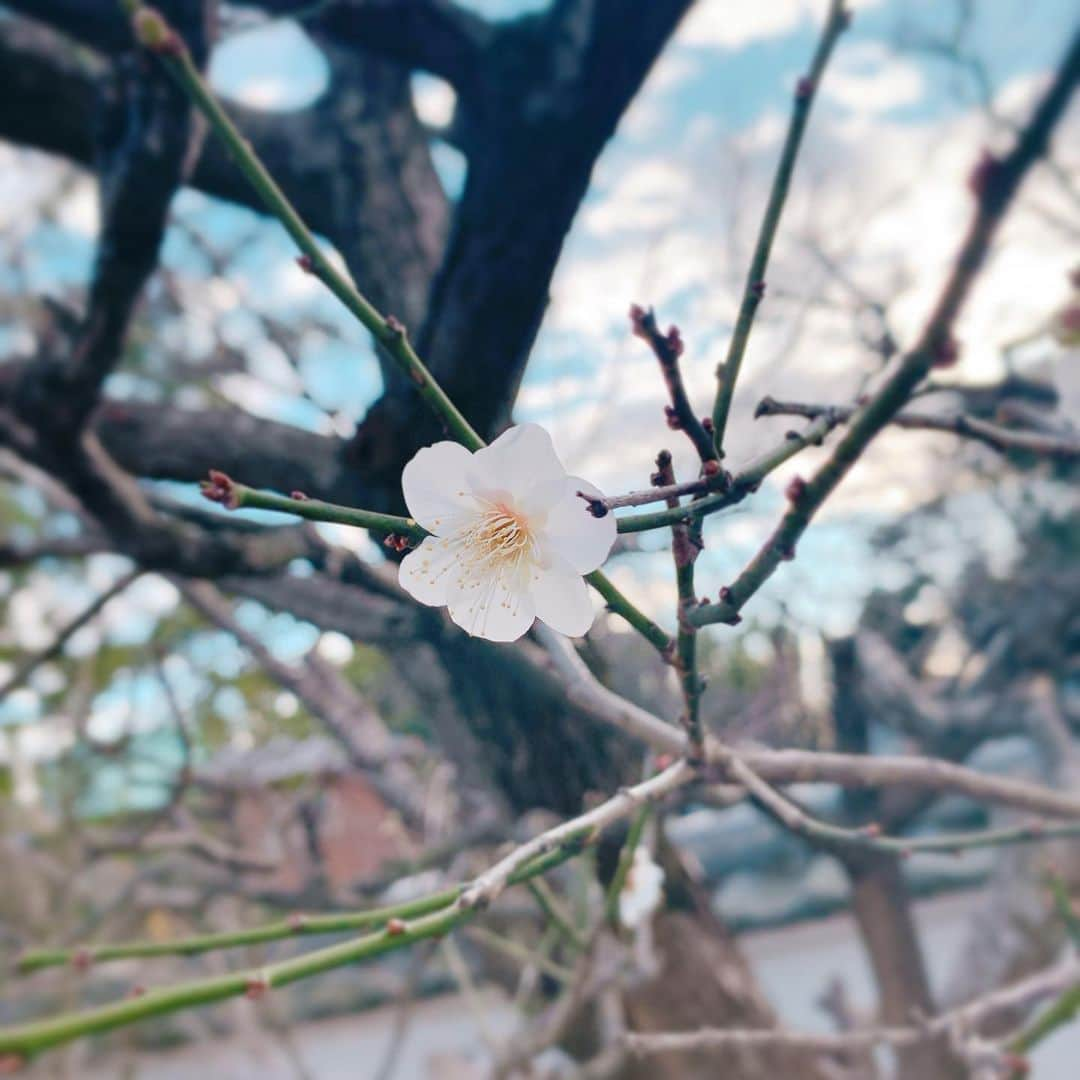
957,1025
26,667
1000,438
528,860
799,766
348,717
437,36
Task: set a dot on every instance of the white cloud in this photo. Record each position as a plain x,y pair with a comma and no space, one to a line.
720,24
867,78
723,24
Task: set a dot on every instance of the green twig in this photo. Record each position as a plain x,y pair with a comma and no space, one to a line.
23,1041
685,544
641,622
223,489
298,925
754,290
520,954
622,868
1066,911
1063,1011
556,914
159,38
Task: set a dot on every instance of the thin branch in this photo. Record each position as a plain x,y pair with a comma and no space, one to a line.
21,1042
868,838
622,867
296,925
487,888
728,372
685,545
223,489
1000,438
995,183
31,663
520,954
958,1023
158,37
556,914
668,348
797,766
743,483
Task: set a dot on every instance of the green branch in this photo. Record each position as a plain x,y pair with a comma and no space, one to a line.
557,916
156,35
728,372
22,1042
298,925
223,489
622,868
621,605
1063,1011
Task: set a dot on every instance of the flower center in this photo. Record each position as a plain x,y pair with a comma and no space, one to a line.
498,536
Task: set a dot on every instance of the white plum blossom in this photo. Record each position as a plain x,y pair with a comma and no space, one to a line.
511,537
642,891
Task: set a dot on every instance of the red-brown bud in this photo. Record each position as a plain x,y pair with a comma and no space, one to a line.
218,487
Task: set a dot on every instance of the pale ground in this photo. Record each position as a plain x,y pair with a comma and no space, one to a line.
793,965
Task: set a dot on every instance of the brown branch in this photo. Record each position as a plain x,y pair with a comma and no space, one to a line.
146,145
685,545
1000,438
668,348
957,1024
349,718
779,767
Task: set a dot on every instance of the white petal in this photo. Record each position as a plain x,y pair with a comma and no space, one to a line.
521,462
572,533
493,606
562,599
436,487
428,572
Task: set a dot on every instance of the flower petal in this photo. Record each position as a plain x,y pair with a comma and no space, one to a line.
521,461
427,573
496,606
572,533
436,487
562,599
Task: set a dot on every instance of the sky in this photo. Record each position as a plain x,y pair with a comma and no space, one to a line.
877,206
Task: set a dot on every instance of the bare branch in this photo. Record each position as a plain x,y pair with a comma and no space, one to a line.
996,436
959,1024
